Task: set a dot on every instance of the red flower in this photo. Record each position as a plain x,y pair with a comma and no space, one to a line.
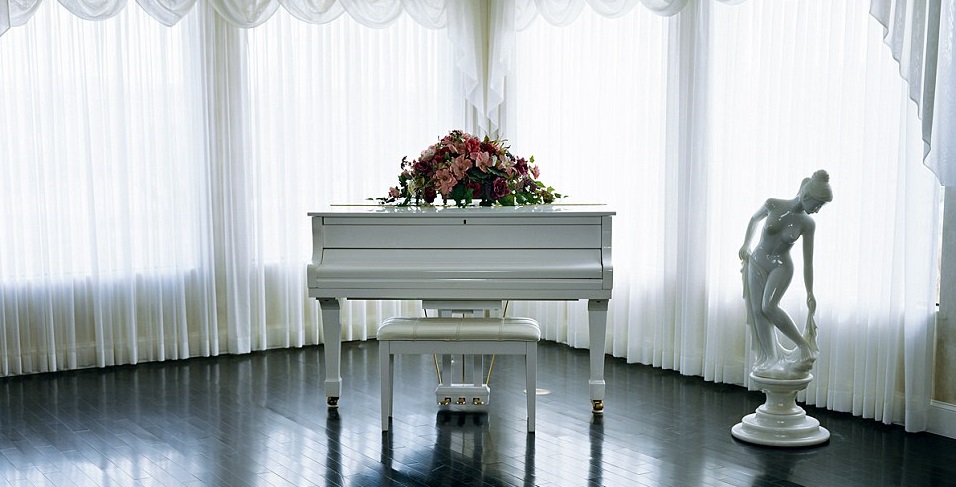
499,188
472,145
522,166
475,188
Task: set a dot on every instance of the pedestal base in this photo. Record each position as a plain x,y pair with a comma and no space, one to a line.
779,421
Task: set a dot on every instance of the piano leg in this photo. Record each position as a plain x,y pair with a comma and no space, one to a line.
597,328
332,336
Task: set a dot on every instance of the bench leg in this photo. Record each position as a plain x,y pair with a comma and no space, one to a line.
531,372
386,365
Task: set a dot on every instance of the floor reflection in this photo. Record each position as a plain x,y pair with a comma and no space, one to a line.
260,419
596,439
778,464
466,449
333,463
529,467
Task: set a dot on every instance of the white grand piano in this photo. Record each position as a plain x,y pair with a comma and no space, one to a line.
451,257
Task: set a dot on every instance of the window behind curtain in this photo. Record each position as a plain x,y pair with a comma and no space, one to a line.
103,176
779,89
101,158
590,105
334,109
804,86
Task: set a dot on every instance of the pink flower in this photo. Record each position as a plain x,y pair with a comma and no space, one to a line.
507,165
445,180
482,160
536,172
394,192
448,140
461,166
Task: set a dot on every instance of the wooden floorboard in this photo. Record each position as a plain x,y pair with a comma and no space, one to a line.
260,420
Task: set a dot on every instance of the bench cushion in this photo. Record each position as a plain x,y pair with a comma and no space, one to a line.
460,329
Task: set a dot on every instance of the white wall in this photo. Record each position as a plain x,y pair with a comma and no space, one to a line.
943,409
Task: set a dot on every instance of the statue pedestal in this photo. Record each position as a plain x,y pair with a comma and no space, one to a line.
779,421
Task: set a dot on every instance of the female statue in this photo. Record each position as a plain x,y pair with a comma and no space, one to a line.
767,272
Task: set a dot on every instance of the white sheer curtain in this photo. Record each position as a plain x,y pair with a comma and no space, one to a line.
156,180
104,216
590,104
846,110
685,125
334,108
922,37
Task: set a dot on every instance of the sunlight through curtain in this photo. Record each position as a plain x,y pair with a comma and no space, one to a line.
156,179
685,174
104,210
846,110
334,108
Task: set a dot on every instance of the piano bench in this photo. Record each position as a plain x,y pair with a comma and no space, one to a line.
470,336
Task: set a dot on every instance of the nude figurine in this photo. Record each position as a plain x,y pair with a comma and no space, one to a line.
767,271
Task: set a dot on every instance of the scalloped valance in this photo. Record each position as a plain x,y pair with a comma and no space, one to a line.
920,33
372,13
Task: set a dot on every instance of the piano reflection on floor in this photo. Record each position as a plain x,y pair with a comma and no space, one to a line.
460,259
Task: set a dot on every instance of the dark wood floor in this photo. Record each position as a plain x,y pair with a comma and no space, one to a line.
261,420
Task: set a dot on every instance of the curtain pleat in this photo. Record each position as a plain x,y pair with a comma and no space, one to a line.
922,38
373,14
245,13
104,200
94,10
314,11
167,12
4,16
18,11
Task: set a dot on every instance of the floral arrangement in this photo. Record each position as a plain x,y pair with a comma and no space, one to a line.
464,168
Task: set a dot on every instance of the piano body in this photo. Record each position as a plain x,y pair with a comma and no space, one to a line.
462,258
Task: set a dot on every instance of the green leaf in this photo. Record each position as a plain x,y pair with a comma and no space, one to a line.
460,194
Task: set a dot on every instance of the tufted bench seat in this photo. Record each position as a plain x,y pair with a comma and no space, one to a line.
472,336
